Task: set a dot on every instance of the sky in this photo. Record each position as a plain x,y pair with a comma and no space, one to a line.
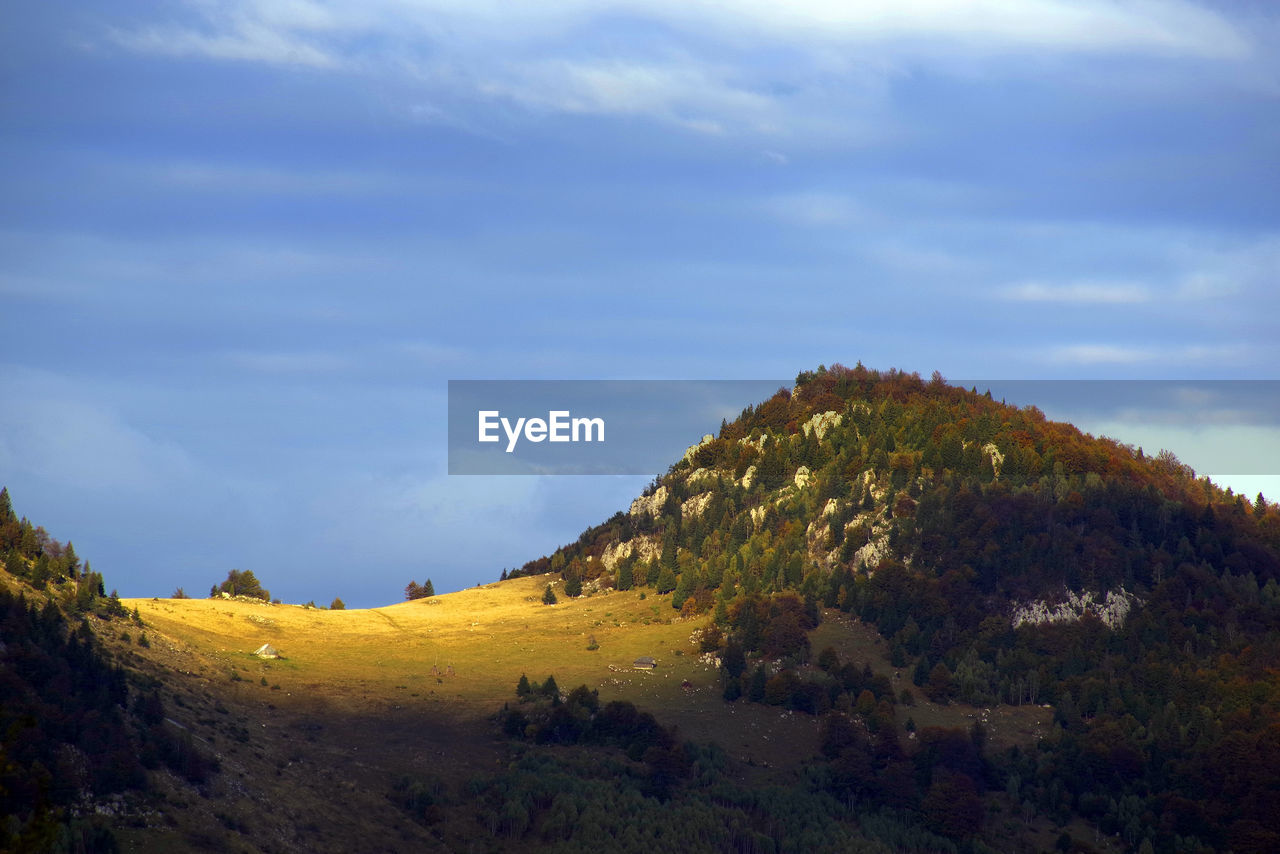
245,245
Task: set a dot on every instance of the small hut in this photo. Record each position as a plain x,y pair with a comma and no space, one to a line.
645,662
267,651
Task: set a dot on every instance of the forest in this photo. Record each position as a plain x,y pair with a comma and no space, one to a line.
71,723
938,515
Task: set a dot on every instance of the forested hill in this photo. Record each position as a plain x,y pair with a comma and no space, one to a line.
74,735
1008,559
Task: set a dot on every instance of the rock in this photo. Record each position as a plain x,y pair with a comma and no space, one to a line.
819,423
651,505
693,449
748,477
693,507
803,477
997,458
1112,610
644,548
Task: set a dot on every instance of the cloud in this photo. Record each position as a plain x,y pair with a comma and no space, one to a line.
248,41
1106,293
1197,356
60,435
710,67
682,93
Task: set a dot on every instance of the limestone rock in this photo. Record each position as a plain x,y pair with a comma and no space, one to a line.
651,505
820,422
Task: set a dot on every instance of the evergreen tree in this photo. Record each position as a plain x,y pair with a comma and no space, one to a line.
666,580
684,588
549,596
6,508
414,590
572,584
626,575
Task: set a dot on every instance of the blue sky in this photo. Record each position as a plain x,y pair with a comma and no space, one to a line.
244,245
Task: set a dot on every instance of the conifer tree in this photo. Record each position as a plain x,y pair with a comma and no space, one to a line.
549,596
6,508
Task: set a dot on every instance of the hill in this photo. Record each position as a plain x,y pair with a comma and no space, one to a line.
886,614
1005,559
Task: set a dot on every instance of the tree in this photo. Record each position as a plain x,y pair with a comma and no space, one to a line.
939,686
952,806
549,596
666,580
6,508
572,584
626,575
337,604
684,588
242,584
180,594
414,590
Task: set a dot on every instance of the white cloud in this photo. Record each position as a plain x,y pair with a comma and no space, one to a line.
1223,358
1085,292
679,92
249,41
717,67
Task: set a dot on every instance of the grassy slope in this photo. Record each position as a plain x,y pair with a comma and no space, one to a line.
309,765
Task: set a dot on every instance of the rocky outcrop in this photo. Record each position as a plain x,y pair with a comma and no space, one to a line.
693,507
693,449
701,476
821,422
1111,608
650,505
644,548
997,458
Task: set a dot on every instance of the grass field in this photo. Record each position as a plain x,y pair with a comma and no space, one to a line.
468,648
360,697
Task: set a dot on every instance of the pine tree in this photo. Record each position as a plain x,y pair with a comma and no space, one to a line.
572,584
6,508
428,589
549,596
684,588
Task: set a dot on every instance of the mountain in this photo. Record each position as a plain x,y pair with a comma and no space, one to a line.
885,614
1006,559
